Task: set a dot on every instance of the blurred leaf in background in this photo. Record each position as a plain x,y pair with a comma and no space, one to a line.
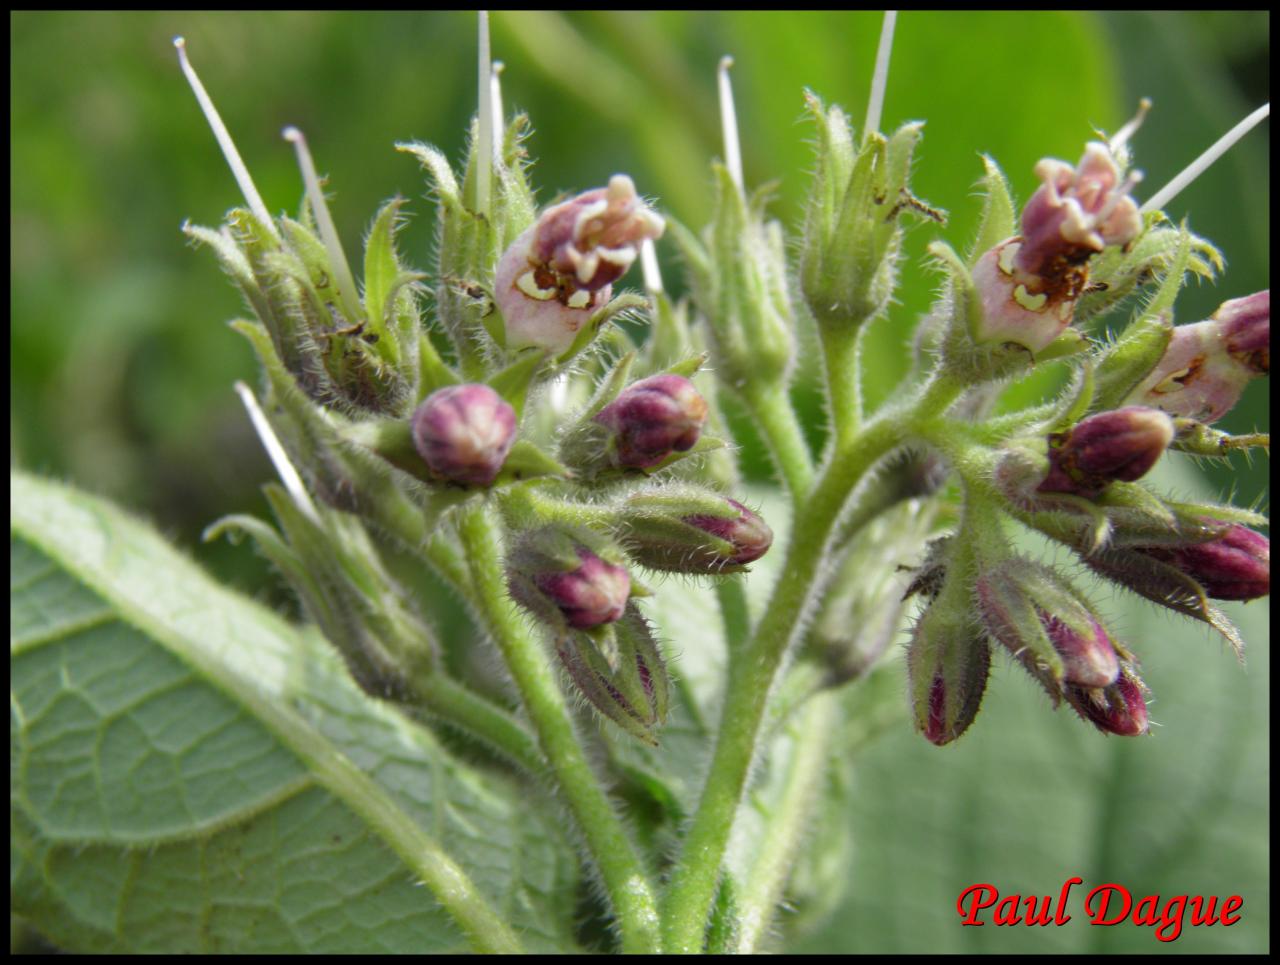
121,364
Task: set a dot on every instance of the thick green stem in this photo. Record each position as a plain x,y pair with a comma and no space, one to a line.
789,821
621,872
840,352
443,697
693,886
776,420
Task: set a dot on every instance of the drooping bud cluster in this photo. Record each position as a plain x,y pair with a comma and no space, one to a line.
464,433
1207,365
557,274
1029,284
1121,445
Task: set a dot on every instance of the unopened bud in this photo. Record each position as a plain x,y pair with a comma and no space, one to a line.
652,419
1245,324
947,666
1118,709
559,272
564,577
692,531
1207,365
1043,622
1122,445
464,432
1235,565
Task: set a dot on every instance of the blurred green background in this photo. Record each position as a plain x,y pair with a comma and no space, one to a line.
122,367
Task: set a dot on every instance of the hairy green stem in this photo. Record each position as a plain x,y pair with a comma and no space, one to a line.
693,886
733,611
459,707
621,872
789,821
840,351
776,420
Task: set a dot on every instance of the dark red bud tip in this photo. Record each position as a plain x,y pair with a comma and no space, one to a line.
1233,566
1245,324
750,535
654,418
464,433
593,594
935,725
1088,659
1122,445
1118,709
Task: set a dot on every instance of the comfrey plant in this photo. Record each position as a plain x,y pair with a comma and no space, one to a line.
490,425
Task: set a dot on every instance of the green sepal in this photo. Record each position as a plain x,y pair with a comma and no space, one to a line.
433,374
999,218
527,461
387,296
512,382
1131,358
626,302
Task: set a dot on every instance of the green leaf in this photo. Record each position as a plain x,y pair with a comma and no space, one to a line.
191,773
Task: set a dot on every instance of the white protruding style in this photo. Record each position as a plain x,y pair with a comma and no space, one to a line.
484,120
328,233
1201,164
495,102
729,123
234,161
880,79
649,265
1121,137
279,458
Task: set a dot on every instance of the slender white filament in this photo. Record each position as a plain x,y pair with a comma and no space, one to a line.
328,233
279,458
880,79
234,161
499,119
729,123
649,265
1197,167
484,150
1122,136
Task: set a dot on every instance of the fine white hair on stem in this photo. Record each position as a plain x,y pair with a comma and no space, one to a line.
649,265
324,221
880,79
228,146
1122,136
279,458
495,102
484,119
729,123
1202,163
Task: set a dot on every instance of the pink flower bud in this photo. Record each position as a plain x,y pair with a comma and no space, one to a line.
652,419
1245,324
1122,445
748,534
1207,365
594,593
947,669
464,432
1025,606
1118,709
558,273
1029,284
1235,565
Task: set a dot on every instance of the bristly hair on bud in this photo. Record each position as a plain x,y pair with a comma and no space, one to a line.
570,577
464,432
1235,565
1120,708
687,530
560,271
948,661
652,419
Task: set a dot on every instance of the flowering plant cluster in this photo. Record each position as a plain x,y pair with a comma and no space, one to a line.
545,464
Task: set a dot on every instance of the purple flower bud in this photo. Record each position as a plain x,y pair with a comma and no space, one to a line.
1119,445
688,530
1040,618
464,432
1235,565
592,594
1208,364
652,419
1029,284
1245,324
1118,709
749,536
558,273
947,669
